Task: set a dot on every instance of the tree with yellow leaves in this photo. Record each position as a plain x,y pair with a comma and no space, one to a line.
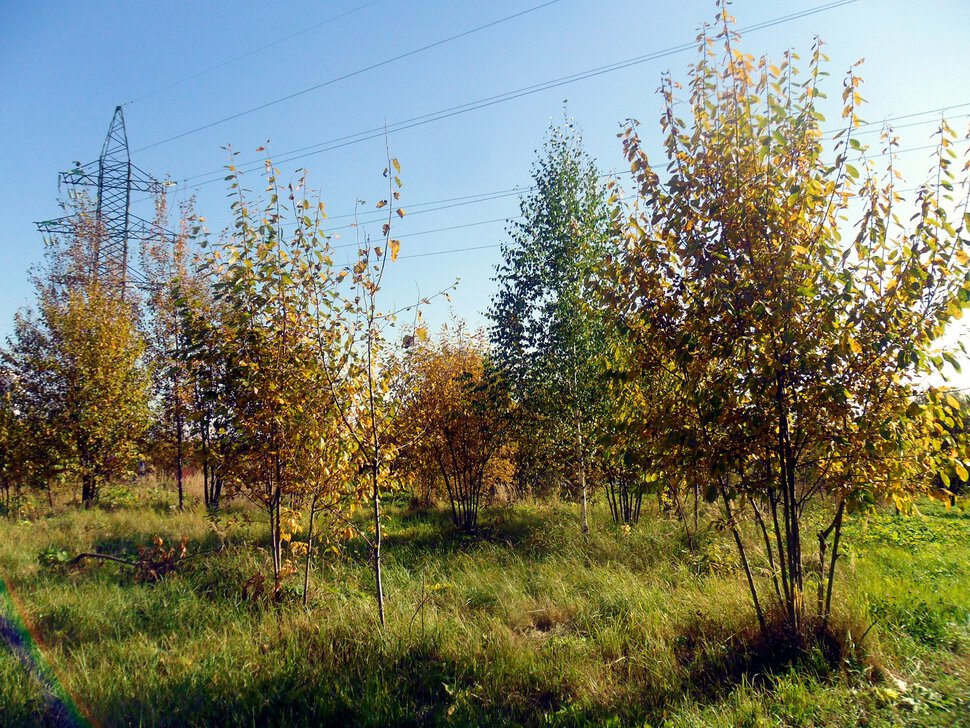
78,367
796,342
264,340
460,415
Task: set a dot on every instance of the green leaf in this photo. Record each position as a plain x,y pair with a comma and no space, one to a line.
954,362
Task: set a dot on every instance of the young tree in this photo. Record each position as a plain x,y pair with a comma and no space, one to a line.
461,414
263,347
361,365
28,444
544,339
11,438
79,364
794,342
198,353
361,368
167,267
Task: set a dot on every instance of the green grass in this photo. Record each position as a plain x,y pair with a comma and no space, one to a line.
21,694
529,624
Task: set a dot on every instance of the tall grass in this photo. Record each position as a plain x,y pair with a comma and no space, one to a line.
529,623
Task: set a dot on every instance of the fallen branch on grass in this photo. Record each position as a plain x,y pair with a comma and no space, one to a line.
104,557
153,562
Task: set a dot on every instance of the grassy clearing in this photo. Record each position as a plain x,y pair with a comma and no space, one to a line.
529,624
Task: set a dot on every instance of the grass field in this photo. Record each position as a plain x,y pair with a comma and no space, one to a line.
528,624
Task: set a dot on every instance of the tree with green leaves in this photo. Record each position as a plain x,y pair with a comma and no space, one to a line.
79,366
544,338
198,353
11,438
795,342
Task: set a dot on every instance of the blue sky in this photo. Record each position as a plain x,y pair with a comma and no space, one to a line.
65,66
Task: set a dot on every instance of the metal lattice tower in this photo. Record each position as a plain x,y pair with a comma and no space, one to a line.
114,178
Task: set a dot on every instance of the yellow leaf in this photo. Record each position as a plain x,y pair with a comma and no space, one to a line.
382,203
400,212
397,165
854,346
395,246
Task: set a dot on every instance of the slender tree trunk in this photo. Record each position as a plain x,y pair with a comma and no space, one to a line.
682,514
277,541
582,477
579,450
697,498
178,459
206,469
786,474
769,552
309,551
610,500
215,479
206,496
835,555
782,557
379,586
744,562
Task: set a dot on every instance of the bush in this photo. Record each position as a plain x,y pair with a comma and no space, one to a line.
113,497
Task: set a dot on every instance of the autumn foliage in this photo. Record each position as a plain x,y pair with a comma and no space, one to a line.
794,342
460,417
745,334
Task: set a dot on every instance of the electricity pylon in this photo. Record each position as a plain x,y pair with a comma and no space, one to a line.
116,229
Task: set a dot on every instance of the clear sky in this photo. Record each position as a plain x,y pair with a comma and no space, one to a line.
65,66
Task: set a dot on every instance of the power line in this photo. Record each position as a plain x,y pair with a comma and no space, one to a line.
516,191
252,52
510,218
358,72
464,200
512,191
377,132
856,133
517,217
500,98
375,216
437,230
483,197
445,251
407,124
449,250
